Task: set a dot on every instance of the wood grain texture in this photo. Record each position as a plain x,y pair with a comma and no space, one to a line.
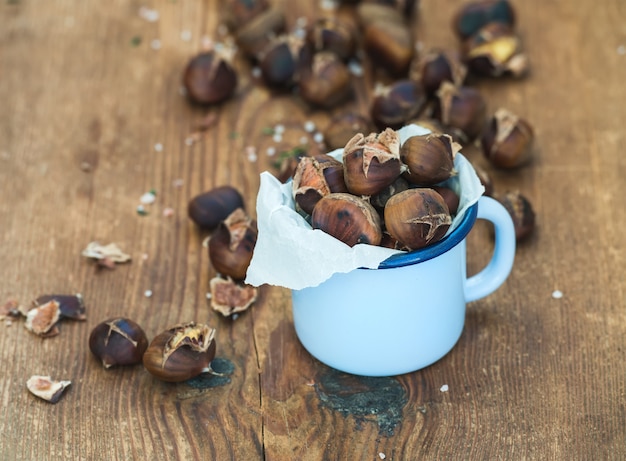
85,99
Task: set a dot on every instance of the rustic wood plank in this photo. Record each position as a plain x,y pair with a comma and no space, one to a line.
86,98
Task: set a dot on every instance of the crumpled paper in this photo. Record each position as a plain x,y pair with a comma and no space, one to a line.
290,254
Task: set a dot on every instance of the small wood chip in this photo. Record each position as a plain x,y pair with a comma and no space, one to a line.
45,388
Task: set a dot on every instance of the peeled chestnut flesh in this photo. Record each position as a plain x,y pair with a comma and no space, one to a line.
209,78
429,158
231,245
507,140
181,352
347,218
494,51
371,163
118,341
417,217
210,208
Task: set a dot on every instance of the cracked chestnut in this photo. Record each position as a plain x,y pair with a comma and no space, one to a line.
462,108
429,158
507,140
396,104
210,78
118,341
231,245
181,352
347,218
436,67
314,178
334,35
417,217
326,82
371,163
521,211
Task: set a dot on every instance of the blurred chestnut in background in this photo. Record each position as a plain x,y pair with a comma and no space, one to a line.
472,16
326,82
494,51
231,245
210,208
334,35
507,140
462,108
343,127
209,78
438,66
395,105
521,211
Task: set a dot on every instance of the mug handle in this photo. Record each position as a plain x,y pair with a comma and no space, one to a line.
497,270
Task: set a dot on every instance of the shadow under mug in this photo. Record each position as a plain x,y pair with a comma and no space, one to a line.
408,313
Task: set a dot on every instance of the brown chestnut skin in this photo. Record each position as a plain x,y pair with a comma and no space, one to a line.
395,105
181,352
118,341
210,208
379,200
417,217
506,140
436,67
485,180
462,108
334,35
429,158
281,61
240,12
450,197
327,82
232,244
347,218
472,16
521,211
371,163
209,78
343,127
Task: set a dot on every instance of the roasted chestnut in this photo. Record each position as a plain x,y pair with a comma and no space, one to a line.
347,218
436,67
521,211
210,208
210,78
507,140
379,200
334,35
417,217
343,127
316,177
451,198
494,51
231,245
395,105
118,341
256,34
281,61
326,82
240,12
181,352
429,158
462,108
371,163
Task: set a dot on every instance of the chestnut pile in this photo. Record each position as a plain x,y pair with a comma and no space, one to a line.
382,193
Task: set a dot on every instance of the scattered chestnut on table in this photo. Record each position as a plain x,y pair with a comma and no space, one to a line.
472,16
257,32
507,139
395,105
438,66
210,78
342,128
181,352
281,59
521,211
316,177
462,108
118,341
231,245
334,35
210,208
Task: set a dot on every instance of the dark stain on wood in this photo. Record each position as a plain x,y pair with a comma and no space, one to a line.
223,369
380,400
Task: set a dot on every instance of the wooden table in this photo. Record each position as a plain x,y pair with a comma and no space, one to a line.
92,117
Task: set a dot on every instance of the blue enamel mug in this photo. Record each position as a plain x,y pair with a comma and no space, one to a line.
408,313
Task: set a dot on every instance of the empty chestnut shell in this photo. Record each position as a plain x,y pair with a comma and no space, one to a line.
210,208
347,218
210,78
417,217
429,158
181,352
371,163
118,341
231,245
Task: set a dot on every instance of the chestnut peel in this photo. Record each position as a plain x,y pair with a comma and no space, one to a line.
429,158
314,178
46,388
417,217
507,139
231,245
327,82
347,218
118,341
181,352
229,297
371,163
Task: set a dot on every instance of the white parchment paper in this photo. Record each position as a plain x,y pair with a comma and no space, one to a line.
290,254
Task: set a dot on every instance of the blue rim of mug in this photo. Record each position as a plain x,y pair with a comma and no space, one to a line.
432,251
